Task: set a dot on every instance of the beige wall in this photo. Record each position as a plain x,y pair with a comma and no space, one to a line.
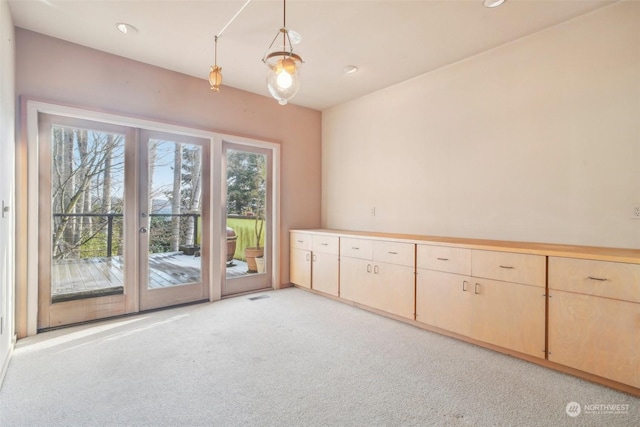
7,181
62,72
537,140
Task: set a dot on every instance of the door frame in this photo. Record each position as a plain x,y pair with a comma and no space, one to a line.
27,199
257,281
274,209
149,299
68,312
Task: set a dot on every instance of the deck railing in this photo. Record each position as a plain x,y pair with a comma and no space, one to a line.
91,235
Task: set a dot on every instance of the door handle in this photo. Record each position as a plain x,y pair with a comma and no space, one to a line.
464,287
475,291
143,229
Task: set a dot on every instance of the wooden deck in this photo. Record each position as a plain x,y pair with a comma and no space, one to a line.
91,277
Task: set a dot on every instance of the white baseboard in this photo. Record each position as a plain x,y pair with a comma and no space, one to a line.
6,360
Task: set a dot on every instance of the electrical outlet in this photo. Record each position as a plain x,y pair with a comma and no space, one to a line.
635,212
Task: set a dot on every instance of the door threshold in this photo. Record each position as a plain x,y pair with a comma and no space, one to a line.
120,316
240,294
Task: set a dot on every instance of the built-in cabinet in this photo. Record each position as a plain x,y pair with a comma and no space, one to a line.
324,263
594,317
378,274
314,261
493,297
300,259
560,306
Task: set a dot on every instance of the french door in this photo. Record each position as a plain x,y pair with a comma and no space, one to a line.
173,238
248,219
123,218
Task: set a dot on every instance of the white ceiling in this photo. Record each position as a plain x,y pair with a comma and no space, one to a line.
390,41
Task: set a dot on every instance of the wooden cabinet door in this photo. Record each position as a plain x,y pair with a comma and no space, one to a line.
509,315
596,335
393,289
444,300
324,273
354,277
300,267
387,287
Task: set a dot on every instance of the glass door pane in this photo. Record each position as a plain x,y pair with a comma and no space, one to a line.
123,220
87,205
247,219
171,228
82,226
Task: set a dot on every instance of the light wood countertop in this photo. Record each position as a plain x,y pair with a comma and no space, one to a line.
548,249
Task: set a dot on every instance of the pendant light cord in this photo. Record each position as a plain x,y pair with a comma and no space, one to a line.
233,18
215,53
284,24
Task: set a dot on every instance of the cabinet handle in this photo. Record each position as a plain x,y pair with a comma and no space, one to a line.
393,253
355,248
300,241
475,291
313,257
324,244
368,268
442,259
508,267
599,279
375,269
464,287
308,257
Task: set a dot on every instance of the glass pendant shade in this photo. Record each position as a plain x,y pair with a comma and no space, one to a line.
215,78
283,74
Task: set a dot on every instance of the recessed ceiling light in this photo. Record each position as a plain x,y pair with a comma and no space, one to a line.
125,28
350,69
493,3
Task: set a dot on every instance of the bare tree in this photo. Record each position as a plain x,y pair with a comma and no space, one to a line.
69,182
84,206
106,175
175,197
78,162
153,154
192,187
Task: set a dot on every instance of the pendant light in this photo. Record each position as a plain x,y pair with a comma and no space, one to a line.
283,65
215,75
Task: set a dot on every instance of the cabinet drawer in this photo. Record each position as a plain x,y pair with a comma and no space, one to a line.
356,248
325,244
444,258
509,267
394,253
600,278
300,240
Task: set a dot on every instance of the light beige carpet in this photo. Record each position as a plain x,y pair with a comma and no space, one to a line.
286,358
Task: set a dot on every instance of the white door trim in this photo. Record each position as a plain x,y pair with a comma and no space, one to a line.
28,142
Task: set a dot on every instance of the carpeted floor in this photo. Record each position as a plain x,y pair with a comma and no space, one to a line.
284,358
